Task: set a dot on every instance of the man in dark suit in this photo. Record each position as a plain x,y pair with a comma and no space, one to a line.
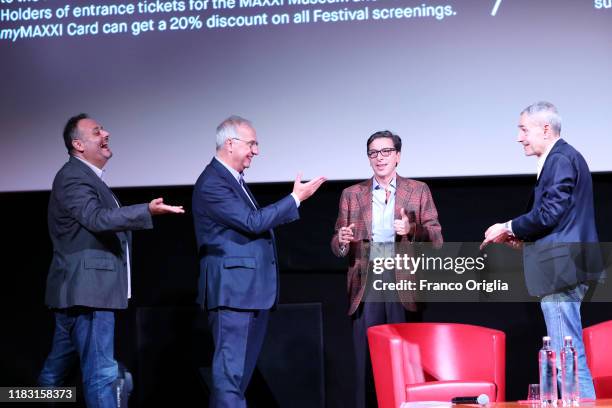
89,275
560,254
238,263
386,208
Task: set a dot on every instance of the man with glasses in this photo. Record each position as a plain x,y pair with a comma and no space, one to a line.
238,263
386,208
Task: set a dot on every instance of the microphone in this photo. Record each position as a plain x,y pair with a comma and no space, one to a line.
482,399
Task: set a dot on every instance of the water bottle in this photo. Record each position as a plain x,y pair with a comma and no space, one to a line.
548,373
570,391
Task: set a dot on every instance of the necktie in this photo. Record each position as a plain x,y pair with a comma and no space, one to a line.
246,190
387,195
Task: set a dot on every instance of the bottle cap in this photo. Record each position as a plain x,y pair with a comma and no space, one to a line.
567,338
545,338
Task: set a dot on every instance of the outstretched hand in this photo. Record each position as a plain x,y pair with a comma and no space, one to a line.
157,207
304,190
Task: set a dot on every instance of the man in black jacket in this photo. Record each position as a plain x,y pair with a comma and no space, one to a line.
89,275
561,255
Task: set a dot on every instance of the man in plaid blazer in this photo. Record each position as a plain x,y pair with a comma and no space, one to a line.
386,208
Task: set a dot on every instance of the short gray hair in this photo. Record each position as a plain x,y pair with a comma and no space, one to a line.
546,112
228,129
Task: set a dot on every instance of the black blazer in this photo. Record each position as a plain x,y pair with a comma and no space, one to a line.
560,225
89,232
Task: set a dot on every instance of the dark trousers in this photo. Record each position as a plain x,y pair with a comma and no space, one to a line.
370,314
87,336
238,336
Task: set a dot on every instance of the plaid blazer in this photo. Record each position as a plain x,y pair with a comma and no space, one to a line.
356,208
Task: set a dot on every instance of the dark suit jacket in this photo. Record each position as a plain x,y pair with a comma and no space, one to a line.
356,208
237,251
89,234
560,225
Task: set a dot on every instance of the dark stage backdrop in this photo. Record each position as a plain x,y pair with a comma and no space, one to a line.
162,328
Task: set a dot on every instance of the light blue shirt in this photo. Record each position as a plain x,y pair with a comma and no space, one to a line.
383,213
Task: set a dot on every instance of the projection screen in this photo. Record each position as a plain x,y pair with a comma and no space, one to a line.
316,77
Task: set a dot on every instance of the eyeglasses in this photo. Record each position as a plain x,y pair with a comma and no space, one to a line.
250,143
372,154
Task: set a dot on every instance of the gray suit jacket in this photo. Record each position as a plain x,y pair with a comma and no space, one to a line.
89,234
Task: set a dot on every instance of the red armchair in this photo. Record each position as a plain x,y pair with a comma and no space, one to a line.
436,361
599,357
